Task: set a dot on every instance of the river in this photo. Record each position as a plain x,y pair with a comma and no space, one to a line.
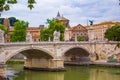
16,72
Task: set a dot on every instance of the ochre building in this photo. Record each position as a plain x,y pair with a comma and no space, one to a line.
78,31
100,29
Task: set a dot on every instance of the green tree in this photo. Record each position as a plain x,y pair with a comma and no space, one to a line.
45,34
53,25
5,4
113,34
3,28
80,38
19,33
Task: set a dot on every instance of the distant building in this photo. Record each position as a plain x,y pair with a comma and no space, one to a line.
100,29
35,32
8,23
79,30
63,20
5,22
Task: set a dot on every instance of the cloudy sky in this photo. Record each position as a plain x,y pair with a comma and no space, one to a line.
77,11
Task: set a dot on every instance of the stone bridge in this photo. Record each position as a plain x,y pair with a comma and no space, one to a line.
51,55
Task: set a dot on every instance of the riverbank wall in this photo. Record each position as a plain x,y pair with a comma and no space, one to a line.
104,64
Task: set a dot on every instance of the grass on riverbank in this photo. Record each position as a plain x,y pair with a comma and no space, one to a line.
15,62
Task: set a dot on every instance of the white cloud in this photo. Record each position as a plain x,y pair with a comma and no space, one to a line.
78,11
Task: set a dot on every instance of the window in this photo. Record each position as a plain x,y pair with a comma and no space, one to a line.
35,40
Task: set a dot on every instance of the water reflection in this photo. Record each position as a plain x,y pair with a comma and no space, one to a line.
72,73
104,74
32,75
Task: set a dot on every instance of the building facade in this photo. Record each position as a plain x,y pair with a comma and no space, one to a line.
63,20
35,32
78,31
100,29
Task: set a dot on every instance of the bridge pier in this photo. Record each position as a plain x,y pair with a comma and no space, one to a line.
3,72
44,64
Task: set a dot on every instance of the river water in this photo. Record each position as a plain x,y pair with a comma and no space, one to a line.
16,72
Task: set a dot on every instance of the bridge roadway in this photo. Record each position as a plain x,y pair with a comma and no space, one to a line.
51,55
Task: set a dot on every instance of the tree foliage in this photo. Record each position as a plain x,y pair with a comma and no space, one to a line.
12,20
53,25
19,33
80,38
113,33
5,4
3,28
1,20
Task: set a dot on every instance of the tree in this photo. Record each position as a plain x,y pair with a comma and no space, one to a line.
3,28
12,20
5,4
53,25
20,30
45,34
80,38
113,34
1,20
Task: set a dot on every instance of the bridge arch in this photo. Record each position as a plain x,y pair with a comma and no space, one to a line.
76,52
31,50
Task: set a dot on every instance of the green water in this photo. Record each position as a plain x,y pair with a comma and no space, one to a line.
72,73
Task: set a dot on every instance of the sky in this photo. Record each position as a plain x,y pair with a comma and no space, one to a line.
77,11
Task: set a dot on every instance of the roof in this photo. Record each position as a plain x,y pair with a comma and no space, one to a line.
105,23
79,27
58,14
59,17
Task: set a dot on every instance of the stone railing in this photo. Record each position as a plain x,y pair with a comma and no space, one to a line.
68,42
